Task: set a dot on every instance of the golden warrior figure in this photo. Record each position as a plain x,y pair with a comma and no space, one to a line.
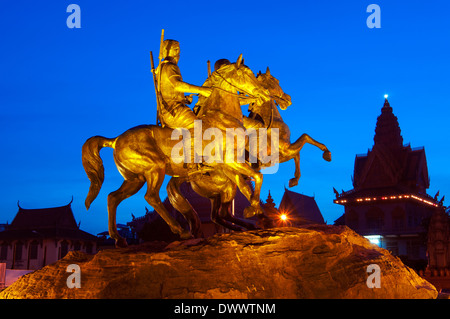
173,111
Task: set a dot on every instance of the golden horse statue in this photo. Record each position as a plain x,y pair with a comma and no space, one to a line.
222,190
143,154
268,112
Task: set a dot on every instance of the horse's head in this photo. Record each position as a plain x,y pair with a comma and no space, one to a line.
232,83
273,86
237,77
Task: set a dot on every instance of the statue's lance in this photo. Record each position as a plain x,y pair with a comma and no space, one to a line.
157,91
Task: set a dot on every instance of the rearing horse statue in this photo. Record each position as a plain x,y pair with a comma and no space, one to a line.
267,114
220,189
143,154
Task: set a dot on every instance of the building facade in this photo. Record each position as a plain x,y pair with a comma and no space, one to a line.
438,270
389,203
38,237
439,244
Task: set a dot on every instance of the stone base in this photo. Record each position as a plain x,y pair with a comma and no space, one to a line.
318,261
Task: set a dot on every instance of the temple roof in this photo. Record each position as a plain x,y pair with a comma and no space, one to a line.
409,169
390,163
54,222
387,130
61,217
301,206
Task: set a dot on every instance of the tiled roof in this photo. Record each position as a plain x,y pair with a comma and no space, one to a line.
55,222
303,207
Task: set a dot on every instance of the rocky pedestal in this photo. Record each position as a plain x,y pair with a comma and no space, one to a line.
314,262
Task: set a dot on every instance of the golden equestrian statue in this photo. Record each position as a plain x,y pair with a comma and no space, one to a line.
143,154
146,153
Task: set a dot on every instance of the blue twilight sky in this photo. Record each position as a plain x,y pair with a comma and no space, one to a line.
60,86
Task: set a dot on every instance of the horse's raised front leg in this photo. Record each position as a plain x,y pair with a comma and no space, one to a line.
294,181
305,138
293,151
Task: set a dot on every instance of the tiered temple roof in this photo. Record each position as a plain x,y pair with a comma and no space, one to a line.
389,169
55,222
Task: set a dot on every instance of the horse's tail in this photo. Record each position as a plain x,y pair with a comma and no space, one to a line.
93,164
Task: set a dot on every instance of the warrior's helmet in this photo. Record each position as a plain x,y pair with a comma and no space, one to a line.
168,46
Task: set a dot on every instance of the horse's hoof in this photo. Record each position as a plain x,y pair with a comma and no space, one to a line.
185,234
327,156
121,243
293,182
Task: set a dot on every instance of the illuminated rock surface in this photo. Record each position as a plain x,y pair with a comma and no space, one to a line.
314,262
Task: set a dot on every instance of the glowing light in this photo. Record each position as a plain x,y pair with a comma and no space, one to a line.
374,239
283,217
385,96
429,202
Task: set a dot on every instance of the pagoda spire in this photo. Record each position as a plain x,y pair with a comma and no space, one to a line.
387,131
386,103
269,207
269,201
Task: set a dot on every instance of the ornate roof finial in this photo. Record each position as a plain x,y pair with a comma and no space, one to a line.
269,199
269,205
386,102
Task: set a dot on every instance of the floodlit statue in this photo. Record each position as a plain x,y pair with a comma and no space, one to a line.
146,153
